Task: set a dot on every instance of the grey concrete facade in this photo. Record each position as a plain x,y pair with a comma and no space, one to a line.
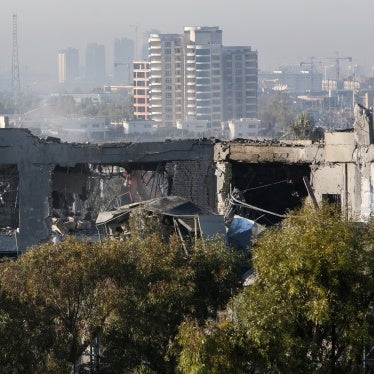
36,160
340,167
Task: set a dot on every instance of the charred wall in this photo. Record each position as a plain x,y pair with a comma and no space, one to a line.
67,184
276,187
9,181
195,181
269,175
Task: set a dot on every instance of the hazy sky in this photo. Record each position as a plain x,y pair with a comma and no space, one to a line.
283,31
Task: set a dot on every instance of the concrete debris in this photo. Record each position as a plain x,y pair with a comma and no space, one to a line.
68,225
176,213
268,142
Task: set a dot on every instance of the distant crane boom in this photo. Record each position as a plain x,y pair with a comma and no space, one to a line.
336,60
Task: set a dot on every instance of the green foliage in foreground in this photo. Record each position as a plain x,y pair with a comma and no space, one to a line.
57,299
159,307
62,299
310,309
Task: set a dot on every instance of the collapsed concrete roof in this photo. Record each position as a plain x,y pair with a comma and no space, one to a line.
172,206
175,206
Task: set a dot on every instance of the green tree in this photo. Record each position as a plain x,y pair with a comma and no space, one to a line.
26,338
56,300
276,112
304,128
161,285
69,295
310,308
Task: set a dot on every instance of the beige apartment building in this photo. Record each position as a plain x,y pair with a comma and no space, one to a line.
166,78
193,76
204,74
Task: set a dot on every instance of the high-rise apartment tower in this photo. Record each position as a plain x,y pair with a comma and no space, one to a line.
240,82
203,69
166,78
68,65
194,77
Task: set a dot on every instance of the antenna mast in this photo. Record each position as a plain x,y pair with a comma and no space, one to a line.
16,85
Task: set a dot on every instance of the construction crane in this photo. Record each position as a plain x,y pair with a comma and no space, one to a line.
311,64
336,60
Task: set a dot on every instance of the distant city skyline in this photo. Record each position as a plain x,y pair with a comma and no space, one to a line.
284,32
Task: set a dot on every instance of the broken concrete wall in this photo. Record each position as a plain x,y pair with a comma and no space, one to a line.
36,158
35,217
201,169
223,174
195,181
338,182
8,196
347,169
354,183
339,147
363,125
365,188
275,152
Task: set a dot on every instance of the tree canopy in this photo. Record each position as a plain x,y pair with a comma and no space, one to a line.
161,285
276,112
57,300
151,304
68,292
309,310
303,128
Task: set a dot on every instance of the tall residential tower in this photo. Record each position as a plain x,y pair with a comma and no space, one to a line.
68,65
203,65
240,79
194,78
166,78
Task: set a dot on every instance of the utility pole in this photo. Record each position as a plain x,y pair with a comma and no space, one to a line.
16,85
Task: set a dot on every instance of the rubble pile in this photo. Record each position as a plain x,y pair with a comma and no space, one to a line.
70,225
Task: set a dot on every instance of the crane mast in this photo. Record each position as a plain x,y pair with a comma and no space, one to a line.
16,86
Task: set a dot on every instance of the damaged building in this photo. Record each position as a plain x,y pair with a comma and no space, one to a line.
173,213
262,181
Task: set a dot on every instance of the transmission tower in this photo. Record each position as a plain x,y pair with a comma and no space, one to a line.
16,85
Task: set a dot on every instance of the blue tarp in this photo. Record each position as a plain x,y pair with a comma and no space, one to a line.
240,233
